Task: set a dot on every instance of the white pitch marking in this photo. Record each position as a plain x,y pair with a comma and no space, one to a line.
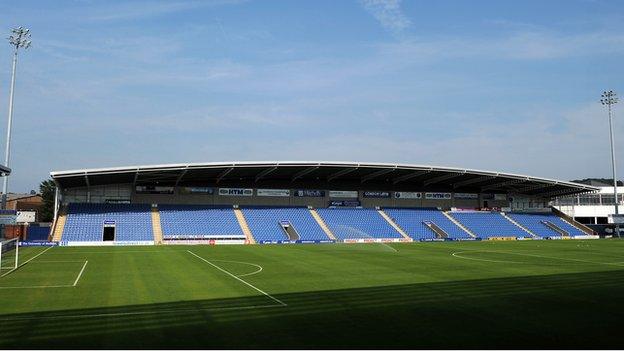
457,254
51,286
77,261
39,254
106,252
80,274
246,274
540,256
121,314
36,287
239,279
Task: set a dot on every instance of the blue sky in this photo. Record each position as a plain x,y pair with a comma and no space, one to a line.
498,85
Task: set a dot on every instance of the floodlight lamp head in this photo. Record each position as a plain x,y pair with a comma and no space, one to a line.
20,38
609,98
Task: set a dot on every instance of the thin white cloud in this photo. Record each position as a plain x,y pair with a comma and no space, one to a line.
147,9
518,45
388,13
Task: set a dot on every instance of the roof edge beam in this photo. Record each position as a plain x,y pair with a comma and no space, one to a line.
224,173
304,172
536,187
442,178
503,184
265,173
341,173
555,193
410,176
473,181
180,177
376,174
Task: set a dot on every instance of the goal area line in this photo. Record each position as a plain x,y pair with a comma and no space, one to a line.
74,284
24,263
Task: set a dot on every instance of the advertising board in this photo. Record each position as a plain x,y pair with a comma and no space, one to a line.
235,192
343,194
273,192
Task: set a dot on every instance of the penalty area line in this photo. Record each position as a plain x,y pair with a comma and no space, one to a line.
239,279
80,274
52,286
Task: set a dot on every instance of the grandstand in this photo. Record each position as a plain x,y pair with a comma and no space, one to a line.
305,202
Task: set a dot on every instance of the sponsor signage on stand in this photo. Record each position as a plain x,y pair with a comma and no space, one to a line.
309,193
376,194
273,192
407,195
235,192
148,189
197,190
438,196
343,194
466,196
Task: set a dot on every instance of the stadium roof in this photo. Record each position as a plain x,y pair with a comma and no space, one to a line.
322,175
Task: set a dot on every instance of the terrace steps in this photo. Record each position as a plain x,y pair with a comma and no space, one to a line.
439,232
322,224
556,228
59,224
244,226
518,224
572,222
156,226
456,222
394,225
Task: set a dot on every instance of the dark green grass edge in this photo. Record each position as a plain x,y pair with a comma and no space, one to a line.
576,310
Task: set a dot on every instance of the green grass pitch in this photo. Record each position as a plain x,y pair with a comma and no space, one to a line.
544,294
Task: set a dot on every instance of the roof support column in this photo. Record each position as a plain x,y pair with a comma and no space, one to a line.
180,177
88,188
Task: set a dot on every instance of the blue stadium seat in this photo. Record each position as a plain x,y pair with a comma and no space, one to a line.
198,221
85,222
357,223
411,220
534,223
488,224
264,223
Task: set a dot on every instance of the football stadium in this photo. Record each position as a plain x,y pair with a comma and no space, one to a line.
310,255
461,195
